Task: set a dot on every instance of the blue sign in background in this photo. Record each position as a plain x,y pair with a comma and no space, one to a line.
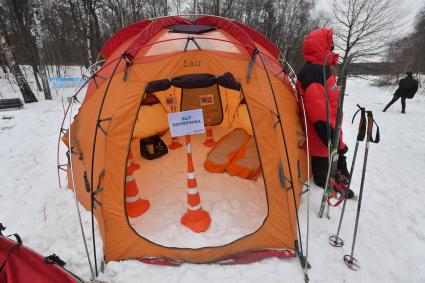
70,82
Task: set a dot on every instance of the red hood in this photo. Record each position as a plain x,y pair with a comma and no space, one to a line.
317,45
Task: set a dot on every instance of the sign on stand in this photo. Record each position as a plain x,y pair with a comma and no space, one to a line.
186,123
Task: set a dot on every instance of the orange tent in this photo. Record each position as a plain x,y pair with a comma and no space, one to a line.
174,56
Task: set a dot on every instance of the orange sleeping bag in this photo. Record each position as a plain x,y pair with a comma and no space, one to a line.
235,153
220,156
246,163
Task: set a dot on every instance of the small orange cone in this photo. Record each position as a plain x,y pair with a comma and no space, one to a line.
197,219
174,143
134,204
131,164
209,142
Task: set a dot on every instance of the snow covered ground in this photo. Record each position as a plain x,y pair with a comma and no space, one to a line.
237,206
391,238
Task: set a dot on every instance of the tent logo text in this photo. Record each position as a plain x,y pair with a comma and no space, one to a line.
191,63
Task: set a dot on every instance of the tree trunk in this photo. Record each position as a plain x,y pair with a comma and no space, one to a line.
3,63
77,17
25,89
92,31
3,67
95,31
40,51
37,81
87,31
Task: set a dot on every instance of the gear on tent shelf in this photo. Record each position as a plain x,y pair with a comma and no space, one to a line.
152,147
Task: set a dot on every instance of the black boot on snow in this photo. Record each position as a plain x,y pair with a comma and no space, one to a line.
350,194
342,166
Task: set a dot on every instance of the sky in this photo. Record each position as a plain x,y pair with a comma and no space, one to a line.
411,6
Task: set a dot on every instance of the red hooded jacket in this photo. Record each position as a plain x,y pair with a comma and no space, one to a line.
310,85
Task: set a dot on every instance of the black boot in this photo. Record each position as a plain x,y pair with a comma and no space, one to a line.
342,166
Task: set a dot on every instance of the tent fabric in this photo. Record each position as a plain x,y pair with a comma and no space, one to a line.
124,34
260,39
144,127
191,99
25,265
230,27
133,44
267,94
279,227
241,119
152,30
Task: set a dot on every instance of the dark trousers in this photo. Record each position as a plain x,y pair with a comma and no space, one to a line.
395,98
319,166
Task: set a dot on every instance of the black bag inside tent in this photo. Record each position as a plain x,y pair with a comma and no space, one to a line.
152,147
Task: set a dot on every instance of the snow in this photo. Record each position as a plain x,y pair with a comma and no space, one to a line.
390,240
237,206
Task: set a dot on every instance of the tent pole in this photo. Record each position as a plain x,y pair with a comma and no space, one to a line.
77,91
308,187
68,113
286,151
75,194
124,55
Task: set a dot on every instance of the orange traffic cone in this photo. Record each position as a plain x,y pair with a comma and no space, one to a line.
174,143
197,219
209,142
134,204
130,162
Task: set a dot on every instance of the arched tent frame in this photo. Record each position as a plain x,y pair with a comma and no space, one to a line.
287,73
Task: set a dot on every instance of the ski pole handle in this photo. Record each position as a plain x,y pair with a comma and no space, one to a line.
369,125
362,123
377,137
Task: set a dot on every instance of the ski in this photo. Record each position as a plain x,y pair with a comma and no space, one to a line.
334,141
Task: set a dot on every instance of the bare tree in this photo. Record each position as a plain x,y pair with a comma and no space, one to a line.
73,31
418,43
363,28
406,53
38,39
25,89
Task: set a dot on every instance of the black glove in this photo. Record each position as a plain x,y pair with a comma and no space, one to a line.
322,131
343,150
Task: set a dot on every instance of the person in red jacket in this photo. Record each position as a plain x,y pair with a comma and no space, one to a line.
318,47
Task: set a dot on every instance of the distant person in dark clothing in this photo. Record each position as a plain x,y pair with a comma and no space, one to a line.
318,54
407,87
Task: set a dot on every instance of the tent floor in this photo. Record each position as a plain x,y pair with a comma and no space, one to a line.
237,206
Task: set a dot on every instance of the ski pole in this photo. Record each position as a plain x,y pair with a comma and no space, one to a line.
333,142
350,260
335,240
